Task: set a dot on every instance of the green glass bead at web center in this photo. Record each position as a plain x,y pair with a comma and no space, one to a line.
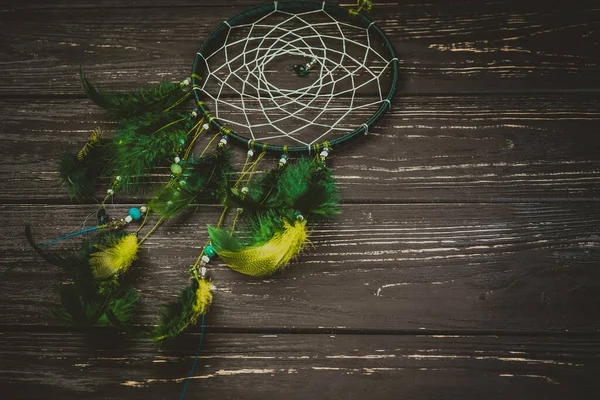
300,69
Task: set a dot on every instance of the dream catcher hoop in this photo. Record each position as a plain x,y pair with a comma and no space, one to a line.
288,77
340,55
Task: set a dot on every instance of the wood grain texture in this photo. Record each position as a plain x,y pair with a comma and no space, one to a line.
481,267
447,47
299,366
465,264
447,148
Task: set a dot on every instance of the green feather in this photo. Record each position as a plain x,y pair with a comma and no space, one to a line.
260,189
177,316
84,306
305,185
122,307
136,102
202,179
79,173
261,257
142,144
320,196
69,260
85,301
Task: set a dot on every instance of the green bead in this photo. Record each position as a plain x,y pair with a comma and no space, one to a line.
176,169
300,69
209,251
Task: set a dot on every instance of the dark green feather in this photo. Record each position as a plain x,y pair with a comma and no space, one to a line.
80,174
260,189
85,301
202,179
305,185
128,104
141,145
177,316
84,306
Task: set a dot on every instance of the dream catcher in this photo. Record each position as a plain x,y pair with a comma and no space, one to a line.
291,79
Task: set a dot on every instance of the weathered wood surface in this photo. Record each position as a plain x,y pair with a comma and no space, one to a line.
443,46
471,215
300,366
473,267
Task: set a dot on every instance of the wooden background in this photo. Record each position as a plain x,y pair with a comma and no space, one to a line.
466,263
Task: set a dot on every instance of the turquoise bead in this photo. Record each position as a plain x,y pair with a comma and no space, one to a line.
135,213
176,169
209,251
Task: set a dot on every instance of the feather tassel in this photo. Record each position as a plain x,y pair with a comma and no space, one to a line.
176,317
115,258
260,259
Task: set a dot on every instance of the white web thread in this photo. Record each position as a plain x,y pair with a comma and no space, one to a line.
291,42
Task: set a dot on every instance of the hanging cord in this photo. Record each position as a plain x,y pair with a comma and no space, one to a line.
189,378
178,102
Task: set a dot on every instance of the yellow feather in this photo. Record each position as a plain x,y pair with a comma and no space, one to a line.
203,299
115,258
270,256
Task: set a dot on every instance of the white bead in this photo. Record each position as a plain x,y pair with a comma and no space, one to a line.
177,159
283,160
205,259
118,178
194,114
205,126
245,190
186,81
250,153
128,219
203,271
110,192
143,209
324,154
224,141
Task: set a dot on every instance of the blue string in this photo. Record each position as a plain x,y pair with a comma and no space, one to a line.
189,378
52,242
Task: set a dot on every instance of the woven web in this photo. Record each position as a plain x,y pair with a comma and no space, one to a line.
256,93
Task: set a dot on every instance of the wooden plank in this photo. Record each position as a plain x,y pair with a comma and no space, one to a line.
443,46
486,148
254,366
474,267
